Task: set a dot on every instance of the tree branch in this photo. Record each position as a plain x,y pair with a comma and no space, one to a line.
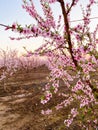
4,25
73,2
66,22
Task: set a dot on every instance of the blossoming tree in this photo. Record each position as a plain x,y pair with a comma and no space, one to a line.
66,50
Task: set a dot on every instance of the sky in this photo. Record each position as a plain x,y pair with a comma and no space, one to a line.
11,11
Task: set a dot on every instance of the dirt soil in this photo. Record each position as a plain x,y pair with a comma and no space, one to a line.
20,107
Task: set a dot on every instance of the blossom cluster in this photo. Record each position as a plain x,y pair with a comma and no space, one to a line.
72,55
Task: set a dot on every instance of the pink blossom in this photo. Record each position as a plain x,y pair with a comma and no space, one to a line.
51,1
12,38
14,26
47,112
7,28
71,53
95,121
74,112
68,122
78,86
92,1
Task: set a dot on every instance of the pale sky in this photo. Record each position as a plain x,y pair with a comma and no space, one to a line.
11,11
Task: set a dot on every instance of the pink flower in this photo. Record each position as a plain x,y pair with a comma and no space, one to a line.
68,122
7,28
58,107
78,86
43,101
48,95
12,38
86,20
95,121
14,26
92,1
74,112
34,29
51,1
47,112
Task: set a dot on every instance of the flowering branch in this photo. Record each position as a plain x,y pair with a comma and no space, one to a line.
72,57
65,15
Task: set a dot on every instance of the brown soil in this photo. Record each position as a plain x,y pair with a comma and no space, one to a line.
20,107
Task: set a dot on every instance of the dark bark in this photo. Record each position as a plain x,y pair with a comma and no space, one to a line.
66,22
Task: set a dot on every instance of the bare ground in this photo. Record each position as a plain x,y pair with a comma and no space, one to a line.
20,107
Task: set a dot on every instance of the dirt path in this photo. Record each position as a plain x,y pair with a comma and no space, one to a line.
23,112
21,108
6,117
